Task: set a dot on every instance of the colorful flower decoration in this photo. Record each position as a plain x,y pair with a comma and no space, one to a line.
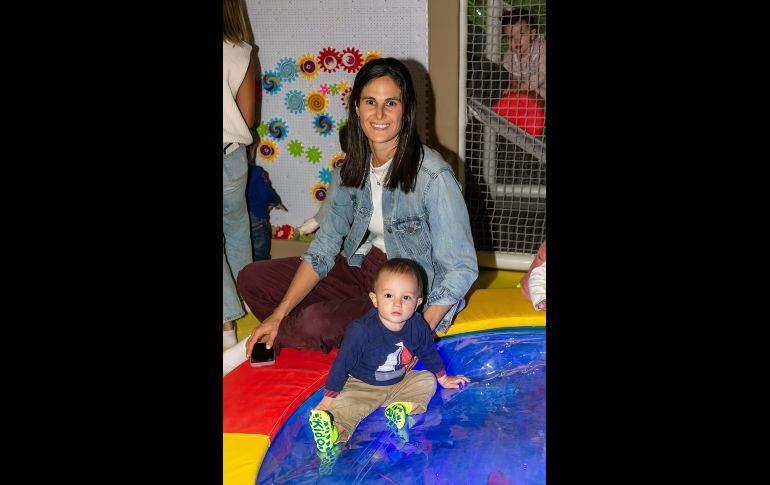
271,82
296,148
337,160
287,69
318,192
308,66
316,102
313,154
324,89
295,101
325,175
371,55
262,129
284,232
277,129
267,150
341,124
345,97
342,85
330,59
323,124
351,59
334,89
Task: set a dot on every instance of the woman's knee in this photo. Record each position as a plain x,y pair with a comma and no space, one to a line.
302,334
312,329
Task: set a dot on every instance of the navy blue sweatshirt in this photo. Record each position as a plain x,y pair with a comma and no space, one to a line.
259,192
378,356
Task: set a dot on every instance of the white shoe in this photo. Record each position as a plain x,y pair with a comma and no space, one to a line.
233,357
229,338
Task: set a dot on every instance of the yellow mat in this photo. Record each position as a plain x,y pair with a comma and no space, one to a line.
245,325
242,454
495,279
495,308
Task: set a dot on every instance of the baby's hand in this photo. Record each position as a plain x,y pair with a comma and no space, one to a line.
453,382
540,306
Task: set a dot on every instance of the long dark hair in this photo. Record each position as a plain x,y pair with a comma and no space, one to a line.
406,161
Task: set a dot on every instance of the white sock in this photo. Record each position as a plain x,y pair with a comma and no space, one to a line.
228,338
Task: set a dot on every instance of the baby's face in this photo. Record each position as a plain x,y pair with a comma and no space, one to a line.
396,297
519,36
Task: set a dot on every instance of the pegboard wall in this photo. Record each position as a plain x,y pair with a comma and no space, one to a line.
309,54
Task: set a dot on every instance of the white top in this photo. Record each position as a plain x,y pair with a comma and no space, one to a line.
537,284
529,67
377,178
235,63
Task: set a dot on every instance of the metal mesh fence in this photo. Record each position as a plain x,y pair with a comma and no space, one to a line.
505,139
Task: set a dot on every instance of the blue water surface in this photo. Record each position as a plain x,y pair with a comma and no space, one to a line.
492,432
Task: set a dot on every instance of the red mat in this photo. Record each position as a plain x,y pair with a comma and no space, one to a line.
259,400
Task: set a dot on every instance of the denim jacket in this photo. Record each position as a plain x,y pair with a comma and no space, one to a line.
429,225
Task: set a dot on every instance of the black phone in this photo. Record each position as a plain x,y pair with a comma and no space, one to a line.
261,355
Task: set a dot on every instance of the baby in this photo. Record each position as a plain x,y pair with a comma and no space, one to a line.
370,369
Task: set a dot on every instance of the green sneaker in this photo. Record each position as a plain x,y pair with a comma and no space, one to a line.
396,413
324,433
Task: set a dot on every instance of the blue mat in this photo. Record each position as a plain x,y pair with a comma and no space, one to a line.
491,432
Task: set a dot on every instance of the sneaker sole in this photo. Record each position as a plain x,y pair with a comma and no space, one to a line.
323,432
396,415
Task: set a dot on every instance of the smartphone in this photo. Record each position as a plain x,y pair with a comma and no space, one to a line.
261,355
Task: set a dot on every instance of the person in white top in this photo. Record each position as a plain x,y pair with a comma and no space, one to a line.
525,59
537,286
394,198
533,283
238,112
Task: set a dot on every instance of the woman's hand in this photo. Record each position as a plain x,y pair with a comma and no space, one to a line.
453,382
304,280
434,313
268,328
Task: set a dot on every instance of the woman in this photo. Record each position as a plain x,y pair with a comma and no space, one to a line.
238,112
394,198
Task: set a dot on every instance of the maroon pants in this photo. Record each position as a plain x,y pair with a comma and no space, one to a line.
320,320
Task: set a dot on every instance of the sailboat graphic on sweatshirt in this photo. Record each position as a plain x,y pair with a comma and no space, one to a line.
394,365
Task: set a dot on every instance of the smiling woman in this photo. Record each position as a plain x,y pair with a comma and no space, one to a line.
380,111
394,198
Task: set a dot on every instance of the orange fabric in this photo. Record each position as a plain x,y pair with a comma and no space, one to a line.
539,259
259,400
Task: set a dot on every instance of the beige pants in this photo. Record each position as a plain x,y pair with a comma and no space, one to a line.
358,399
